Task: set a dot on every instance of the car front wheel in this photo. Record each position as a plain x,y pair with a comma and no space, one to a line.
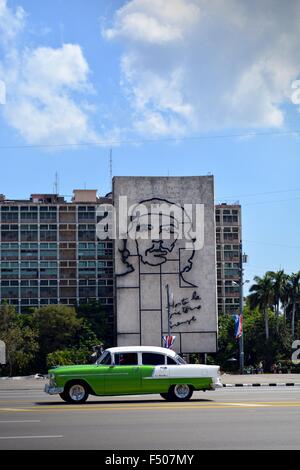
75,393
180,392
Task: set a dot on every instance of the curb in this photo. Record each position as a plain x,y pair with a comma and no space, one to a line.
26,377
292,384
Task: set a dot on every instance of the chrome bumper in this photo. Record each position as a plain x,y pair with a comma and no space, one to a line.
53,390
216,384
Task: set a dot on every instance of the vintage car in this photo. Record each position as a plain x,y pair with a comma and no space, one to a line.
133,370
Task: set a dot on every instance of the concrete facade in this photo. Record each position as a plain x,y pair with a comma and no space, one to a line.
50,253
145,263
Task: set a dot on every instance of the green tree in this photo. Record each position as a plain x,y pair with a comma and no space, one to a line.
257,347
228,346
56,325
21,342
22,347
294,297
58,328
279,283
262,296
68,357
7,316
94,313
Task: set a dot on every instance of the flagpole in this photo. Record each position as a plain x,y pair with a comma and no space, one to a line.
169,339
168,307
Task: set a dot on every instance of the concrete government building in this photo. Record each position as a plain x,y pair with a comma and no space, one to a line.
50,254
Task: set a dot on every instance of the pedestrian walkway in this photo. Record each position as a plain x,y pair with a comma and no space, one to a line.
22,383
258,380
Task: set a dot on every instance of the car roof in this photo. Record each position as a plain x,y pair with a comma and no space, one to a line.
153,349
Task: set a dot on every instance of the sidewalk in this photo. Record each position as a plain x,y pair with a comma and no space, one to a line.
31,383
262,379
22,383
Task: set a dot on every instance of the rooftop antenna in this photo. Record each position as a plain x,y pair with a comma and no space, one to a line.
56,184
110,165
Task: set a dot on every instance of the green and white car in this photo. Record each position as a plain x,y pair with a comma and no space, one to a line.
133,370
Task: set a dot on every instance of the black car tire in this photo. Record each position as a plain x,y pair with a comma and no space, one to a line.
75,392
180,392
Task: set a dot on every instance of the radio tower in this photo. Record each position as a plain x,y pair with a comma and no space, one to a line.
56,184
110,166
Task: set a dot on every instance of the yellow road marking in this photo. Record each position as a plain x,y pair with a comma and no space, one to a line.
142,407
247,404
14,409
17,401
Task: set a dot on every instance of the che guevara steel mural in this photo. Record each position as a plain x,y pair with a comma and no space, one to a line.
161,250
160,247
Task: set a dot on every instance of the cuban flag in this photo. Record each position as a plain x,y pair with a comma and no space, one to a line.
168,341
238,326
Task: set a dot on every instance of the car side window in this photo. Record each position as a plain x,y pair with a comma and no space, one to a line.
152,359
171,361
126,359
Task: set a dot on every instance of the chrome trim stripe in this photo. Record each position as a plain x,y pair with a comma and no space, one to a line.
173,377
85,377
158,377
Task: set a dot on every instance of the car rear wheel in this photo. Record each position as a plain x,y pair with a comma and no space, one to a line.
180,392
75,393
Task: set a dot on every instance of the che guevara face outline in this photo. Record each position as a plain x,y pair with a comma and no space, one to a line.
174,227
156,248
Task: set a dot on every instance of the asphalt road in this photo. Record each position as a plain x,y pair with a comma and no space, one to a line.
226,419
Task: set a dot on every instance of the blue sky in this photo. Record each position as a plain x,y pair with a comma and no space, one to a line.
175,87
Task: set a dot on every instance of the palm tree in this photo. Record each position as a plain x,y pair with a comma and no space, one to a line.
279,280
285,296
262,296
294,295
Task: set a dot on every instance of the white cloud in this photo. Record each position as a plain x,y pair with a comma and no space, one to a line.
41,104
55,68
194,65
11,23
157,22
46,88
2,92
154,95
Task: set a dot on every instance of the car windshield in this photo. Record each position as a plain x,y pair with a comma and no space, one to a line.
179,359
105,358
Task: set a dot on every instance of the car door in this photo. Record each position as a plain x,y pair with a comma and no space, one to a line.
96,378
154,373
98,373
123,377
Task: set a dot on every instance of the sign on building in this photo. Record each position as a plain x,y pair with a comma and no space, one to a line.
165,236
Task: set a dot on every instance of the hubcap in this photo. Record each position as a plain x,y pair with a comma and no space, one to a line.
182,390
77,392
